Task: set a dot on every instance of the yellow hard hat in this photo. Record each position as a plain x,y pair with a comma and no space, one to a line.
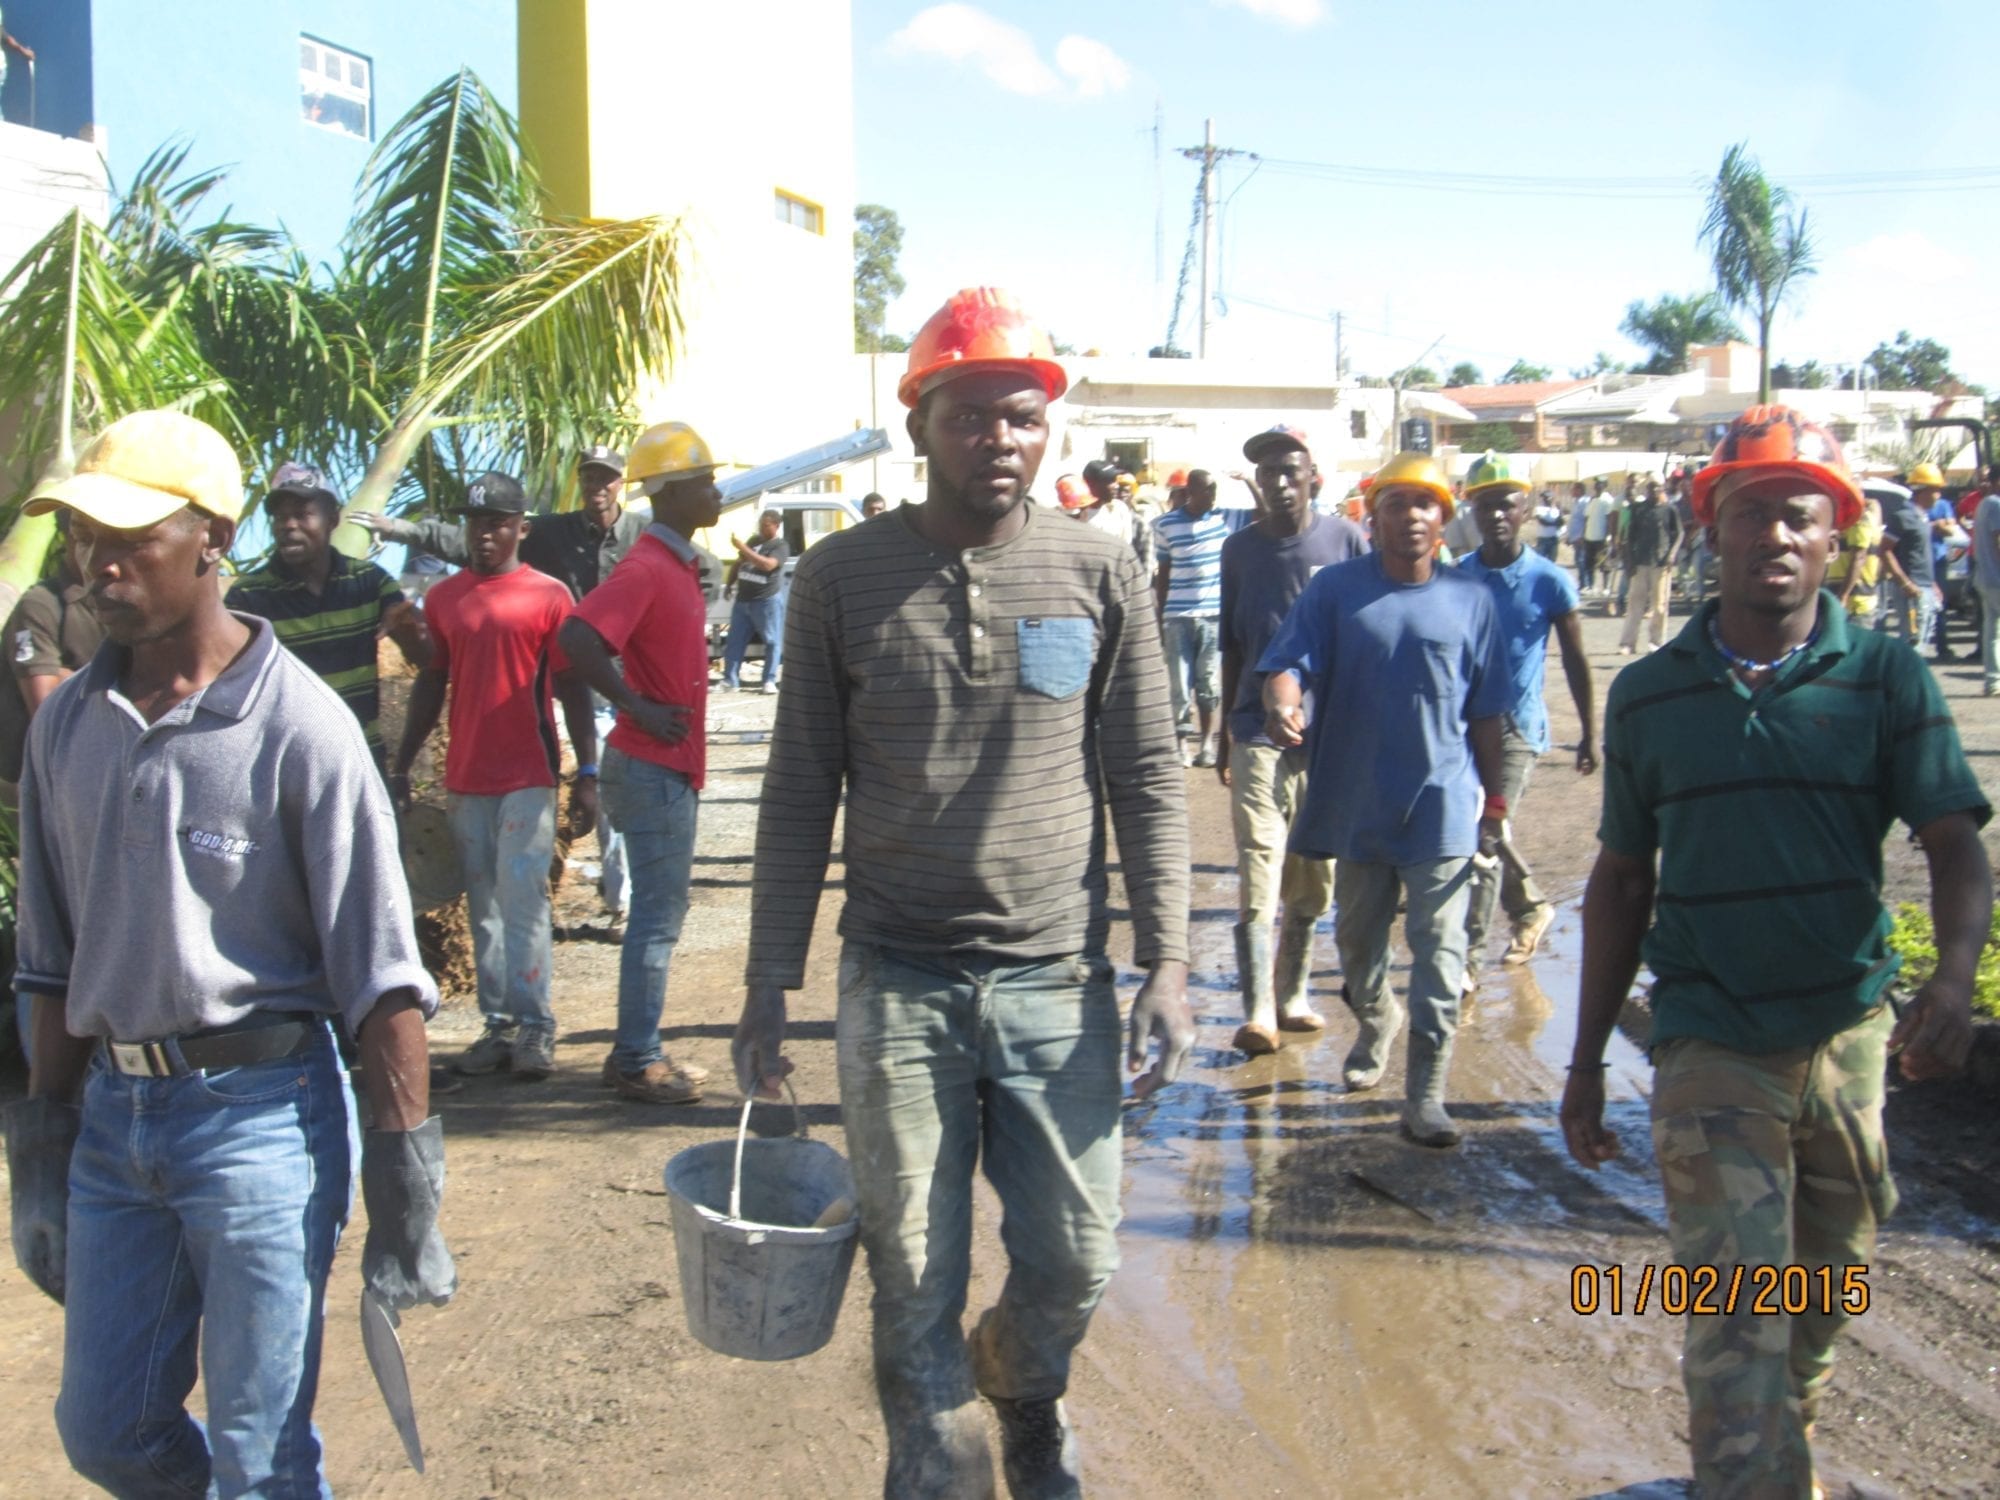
671,450
1417,470
1925,477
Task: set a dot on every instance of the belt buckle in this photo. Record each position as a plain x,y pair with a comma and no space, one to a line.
142,1059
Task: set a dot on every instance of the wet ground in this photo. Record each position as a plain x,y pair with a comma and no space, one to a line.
1309,1306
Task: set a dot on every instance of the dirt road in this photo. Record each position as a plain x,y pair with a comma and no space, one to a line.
1309,1306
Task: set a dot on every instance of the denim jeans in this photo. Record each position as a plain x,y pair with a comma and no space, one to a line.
1898,607
763,619
1266,786
1989,643
657,809
1500,886
613,881
1436,893
505,844
947,1060
1194,667
225,1191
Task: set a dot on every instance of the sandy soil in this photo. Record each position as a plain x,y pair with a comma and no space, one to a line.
1309,1306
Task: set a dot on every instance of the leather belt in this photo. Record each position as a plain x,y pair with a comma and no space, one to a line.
177,1057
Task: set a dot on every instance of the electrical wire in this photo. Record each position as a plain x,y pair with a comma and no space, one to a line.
1821,184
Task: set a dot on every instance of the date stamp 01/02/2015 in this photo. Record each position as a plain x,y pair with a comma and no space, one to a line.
1706,1291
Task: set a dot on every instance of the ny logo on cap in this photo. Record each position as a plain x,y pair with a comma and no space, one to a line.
476,496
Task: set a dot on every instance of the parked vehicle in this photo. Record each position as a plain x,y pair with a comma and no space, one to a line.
807,519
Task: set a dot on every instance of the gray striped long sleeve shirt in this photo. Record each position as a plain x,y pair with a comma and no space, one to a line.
983,710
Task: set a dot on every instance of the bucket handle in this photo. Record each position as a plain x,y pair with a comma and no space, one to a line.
743,1133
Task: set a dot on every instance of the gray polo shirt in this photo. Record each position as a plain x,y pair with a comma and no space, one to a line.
240,854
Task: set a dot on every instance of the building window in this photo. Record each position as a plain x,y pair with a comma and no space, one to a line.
336,89
800,214
1357,423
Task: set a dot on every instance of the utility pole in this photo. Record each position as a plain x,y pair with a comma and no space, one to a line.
1208,154
1339,349
1396,396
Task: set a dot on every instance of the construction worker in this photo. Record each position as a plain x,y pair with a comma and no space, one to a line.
1265,567
1409,682
983,680
1532,597
758,611
1188,542
1649,543
1911,597
872,505
1073,495
650,615
328,609
1758,762
209,883
1111,513
492,628
1927,493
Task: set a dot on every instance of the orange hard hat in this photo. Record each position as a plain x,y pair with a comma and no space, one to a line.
1176,479
1775,442
1072,493
980,328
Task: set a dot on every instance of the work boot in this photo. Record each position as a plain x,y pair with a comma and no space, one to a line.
535,1053
1258,1035
1528,934
1370,1053
492,1052
1038,1450
659,1082
1424,1119
1294,975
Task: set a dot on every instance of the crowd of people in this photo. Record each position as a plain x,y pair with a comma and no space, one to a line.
213,908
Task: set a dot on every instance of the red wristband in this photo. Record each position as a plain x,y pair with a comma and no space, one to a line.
1496,807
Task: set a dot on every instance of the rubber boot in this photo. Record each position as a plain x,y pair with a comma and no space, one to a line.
1258,1034
1424,1118
1294,975
1370,1053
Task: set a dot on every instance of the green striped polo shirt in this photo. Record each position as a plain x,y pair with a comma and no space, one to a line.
334,632
1768,811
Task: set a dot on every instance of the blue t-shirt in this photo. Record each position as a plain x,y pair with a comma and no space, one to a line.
1261,576
1530,594
1941,510
1396,671
1193,549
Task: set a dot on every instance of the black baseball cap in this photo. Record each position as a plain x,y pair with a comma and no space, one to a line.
601,456
1100,471
500,494
302,480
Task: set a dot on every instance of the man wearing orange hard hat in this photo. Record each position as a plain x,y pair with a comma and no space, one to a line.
1751,768
983,680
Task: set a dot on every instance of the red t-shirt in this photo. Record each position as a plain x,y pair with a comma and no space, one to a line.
495,636
651,612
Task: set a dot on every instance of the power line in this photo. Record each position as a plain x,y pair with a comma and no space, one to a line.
1821,184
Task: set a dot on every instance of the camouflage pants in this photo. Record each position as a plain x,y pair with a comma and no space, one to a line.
1770,1160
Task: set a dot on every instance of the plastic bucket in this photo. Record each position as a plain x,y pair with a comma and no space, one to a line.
759,1281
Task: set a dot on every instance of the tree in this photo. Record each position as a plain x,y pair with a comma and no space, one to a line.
1167,351
1668,325
1420,375
1911,364
463,329
1480,437
1465,372
1523,373
1603,364
1806,375
1760,247
878,245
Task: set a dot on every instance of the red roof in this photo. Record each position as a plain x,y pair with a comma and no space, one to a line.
1527,393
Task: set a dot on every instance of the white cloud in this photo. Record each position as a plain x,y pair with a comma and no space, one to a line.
1095,67
1299,13
1009,57
1911,257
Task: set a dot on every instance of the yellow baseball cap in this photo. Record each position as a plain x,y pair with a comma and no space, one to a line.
144,467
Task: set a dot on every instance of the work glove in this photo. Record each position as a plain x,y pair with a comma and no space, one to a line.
41,1135
404,1260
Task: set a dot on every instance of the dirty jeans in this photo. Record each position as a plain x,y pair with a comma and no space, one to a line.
1498,884
1266,786
1436,893
505,844
1989,634
657,809
762,619
947,1060
1897,608
225,1191
1771,1160
1193,666
1649,584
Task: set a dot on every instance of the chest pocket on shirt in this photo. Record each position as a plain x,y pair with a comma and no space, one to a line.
1437,678
1056,655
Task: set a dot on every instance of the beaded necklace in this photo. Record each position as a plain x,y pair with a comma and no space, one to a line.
1743,663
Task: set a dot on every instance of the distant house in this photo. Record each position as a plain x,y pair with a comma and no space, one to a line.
1521,409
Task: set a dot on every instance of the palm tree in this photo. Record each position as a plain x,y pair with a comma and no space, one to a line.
1668,325
1759,246
463,328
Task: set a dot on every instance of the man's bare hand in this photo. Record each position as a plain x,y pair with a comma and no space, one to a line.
665,722
1583,1118
582,806
1586,758
757,1049
1160,1013
1934,1035
369,520
1286,725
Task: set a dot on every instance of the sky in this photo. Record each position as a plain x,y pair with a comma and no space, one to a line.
1015,139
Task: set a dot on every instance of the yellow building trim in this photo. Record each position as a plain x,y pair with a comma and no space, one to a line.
554,52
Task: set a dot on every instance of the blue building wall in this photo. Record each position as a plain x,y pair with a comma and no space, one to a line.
224,74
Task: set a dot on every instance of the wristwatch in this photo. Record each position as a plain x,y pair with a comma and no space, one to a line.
589,770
